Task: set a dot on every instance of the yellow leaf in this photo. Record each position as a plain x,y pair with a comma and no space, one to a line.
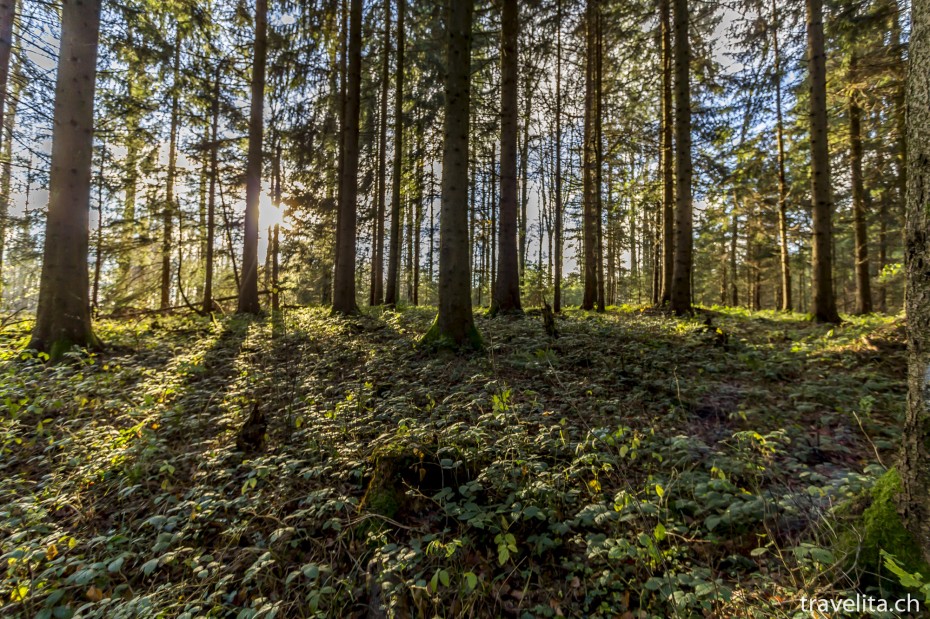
51,552
94,594
19,593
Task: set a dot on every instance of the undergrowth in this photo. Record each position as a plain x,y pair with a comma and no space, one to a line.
637,466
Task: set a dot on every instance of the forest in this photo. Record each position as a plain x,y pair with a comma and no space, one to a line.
464,308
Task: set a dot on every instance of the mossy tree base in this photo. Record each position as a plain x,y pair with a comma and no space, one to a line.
467,338
880,528
58,348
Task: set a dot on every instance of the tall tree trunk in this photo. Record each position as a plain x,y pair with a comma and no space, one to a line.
432,223
168,212
133,148
681,275
823,302
734,237
507,286
377,265
589,208
7,124
98,245
211,199
63,315
782,182
7,15
599,158
454,322
668,158
390,297
914,502
863,287
418,212
492,180
344,301
248,291
524,166
900,108
557,259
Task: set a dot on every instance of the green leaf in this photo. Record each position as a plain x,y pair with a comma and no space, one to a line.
659,532
149,566
471,581
822,555
115,565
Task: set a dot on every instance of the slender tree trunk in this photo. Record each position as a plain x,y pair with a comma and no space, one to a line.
98,249
418,215
882,251
211,199
63,315
668,158
914,501
377,267
863,285
432,222
7,14
900,108
455,323
344,301
492,180
782,182
823,302
248,292
599,159
507,287
8,120
589,209
390,297
524,167
681,276
557,259
275,284
168,211
131,176
734,237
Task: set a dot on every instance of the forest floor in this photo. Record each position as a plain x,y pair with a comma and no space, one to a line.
637,466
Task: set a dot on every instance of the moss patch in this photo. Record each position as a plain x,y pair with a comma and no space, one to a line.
880,528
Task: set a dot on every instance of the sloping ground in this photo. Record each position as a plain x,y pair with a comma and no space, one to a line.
637,466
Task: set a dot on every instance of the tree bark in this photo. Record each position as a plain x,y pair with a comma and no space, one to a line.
63,315
590,188
599,158
377,263
390,296
823,302
681,275
914,502
168,211
248,291
455,324
344,301
507,285
863,285
668,159
557,260
782,182
211,199
7,15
